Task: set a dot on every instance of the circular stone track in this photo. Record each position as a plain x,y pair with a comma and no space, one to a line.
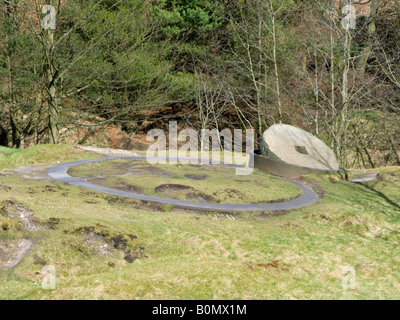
59,172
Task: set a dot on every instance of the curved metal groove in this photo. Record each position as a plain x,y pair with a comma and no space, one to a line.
59,172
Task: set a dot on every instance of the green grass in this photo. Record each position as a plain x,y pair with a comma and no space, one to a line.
41,154
189,256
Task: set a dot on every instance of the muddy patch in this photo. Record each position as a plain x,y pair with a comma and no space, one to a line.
200,196
276,201
5,188
141,205
197,176
20,213
38,260
95,238
128,187
171,188
135,254
97,243
100,241
51,189
52,223
120,185
276,264
233,193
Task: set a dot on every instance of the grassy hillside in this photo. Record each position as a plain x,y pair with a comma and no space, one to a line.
41,154
107,247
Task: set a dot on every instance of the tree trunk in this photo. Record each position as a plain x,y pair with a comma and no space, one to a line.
366,52
52,99
16,132
277,82
341,123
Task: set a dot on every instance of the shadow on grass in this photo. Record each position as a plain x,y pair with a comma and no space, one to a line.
395,205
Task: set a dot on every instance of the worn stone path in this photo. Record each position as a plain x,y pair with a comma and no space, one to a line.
367,177
307,198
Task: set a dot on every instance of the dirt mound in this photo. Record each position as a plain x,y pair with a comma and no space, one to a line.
200,196
20,213
234,193
101,241
170,188
129,188
97,243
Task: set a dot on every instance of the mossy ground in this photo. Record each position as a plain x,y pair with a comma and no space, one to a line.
179,255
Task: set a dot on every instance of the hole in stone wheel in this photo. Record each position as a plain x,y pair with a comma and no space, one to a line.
301,149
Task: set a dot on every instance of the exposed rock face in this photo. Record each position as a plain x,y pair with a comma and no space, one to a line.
298,147
12,252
